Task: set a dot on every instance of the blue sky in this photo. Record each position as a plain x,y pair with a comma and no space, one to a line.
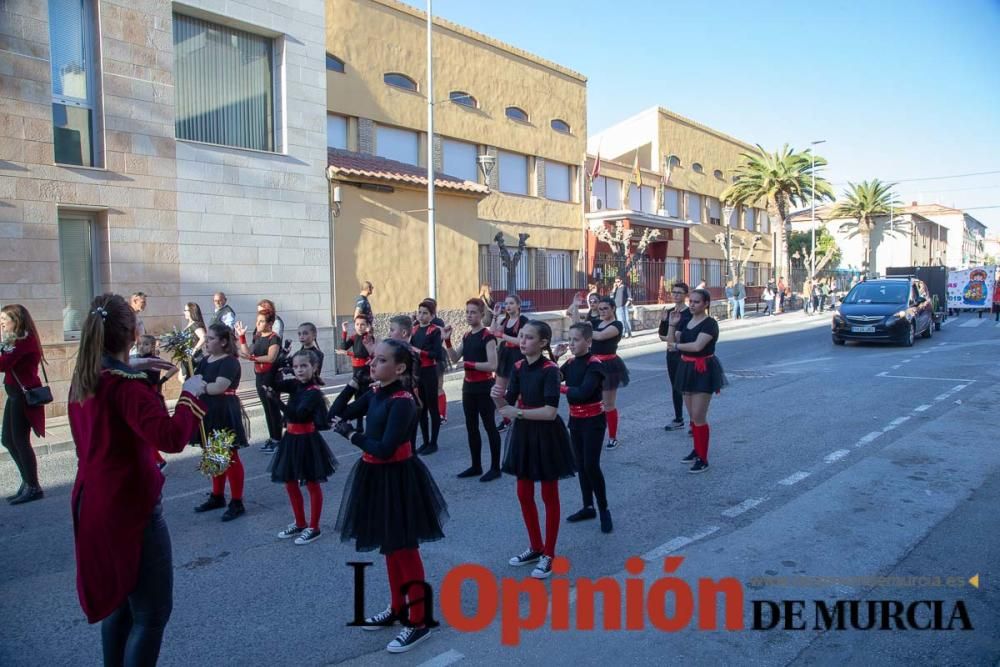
900,90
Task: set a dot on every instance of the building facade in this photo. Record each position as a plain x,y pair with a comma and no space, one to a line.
526,117
966,235
164,148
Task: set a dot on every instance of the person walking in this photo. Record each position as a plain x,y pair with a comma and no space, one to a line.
362,306
668,334
224,314
20,358
622,299
740,295
767,296
781,295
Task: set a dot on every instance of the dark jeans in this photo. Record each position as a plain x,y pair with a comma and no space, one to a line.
673,362
132,634
479,407
428,377
272,414
16,435
587,436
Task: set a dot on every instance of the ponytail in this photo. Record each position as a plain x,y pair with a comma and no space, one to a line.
545,333
406,355
108,329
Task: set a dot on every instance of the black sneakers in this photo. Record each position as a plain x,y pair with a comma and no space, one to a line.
544,568
308,535
235,509
699,466
491,474
27,495
407,639
612,444
527,557
383,619
606,525
213,503
690,458
269,446
470,472
582,515
675,425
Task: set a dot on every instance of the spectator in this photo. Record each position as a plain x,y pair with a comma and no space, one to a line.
487,298
623,299
361,305
138,303
781,295
265,306
731,298
807,288
767,296
740,296
224,314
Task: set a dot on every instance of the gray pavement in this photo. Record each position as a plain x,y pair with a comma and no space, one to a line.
826,461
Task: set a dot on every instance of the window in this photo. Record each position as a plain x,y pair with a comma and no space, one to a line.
74,76
460,159
334,64
763,223
748,219
713,277
224,85
696,271
693,207
513,173
697,168
336,131
734,219
648,199
718,174
465,99
517,114
674,161
397,144
558,269
493,272
397,80
76,263
671,202
557,181
714,212
560,126
609,192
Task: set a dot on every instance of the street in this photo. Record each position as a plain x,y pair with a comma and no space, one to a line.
826,461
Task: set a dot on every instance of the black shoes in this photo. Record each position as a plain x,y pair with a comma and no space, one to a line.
690,458
407,639
474,471
699,466
427,449
675,425
612,444
235,509
606,525
526,557
582,515
269,446
491,474
20,490
213,503
28,494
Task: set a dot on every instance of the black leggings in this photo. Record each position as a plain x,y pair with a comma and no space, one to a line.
673,361
272,415
429,404
479,407
587,436
132,634
16,436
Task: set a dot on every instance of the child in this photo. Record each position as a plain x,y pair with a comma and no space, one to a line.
146,349
539,445
506,326
390,502
584,376
607,334
442,398
307,340
220,369
426,340
355,347
303,457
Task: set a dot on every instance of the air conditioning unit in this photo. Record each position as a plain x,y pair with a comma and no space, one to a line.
596,204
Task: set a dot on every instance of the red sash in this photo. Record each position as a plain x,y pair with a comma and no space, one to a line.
358,363
261,367
229,392
477,376
301,429
585,410
700,363
605,357
403,452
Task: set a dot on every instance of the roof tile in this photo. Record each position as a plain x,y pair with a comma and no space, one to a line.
364,165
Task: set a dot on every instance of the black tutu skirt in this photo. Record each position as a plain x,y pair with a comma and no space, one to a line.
302,458
539,451
506,358
222,413
615,373
709,382
391,506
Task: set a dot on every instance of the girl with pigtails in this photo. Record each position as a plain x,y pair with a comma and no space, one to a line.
391,502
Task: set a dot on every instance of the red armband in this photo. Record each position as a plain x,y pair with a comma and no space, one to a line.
563,389
243,339
447,343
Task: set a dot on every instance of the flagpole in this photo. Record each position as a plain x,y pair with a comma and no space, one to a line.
431,245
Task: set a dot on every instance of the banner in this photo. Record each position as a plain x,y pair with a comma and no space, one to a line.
972,288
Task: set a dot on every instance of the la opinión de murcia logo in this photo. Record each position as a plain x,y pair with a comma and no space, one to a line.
551,607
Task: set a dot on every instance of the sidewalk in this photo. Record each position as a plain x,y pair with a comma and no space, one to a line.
58,437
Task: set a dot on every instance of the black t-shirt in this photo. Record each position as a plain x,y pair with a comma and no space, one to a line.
584,379
512,327
609,345
665,325
363,306
535,384
227,367
689,335
474,349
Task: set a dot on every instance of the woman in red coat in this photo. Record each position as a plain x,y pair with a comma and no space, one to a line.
20,356
124,563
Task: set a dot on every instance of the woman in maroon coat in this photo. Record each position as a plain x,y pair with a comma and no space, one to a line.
20,356
124,563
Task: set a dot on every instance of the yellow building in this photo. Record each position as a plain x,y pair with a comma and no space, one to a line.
527,116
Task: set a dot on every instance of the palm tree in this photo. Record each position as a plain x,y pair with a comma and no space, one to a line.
863,202
782,179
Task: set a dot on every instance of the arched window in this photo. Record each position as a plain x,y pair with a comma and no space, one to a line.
697,168
674,161
400,81
718,174
334,64
465,99
560,126
520,115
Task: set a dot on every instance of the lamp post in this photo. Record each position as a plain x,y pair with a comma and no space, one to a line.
812,206
727,214
431,244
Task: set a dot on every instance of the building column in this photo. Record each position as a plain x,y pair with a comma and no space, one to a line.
687,255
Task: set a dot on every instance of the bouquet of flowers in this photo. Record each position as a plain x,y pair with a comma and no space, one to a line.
7,342
180,344
216,456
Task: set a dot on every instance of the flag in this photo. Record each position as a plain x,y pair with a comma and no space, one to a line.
636,174
596,171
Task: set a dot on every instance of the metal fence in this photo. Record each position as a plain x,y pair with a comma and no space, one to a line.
546,279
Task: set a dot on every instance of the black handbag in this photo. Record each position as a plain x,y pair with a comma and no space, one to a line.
36,396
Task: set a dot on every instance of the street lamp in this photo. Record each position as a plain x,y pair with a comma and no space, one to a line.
812,225
431,247
486,164
727,213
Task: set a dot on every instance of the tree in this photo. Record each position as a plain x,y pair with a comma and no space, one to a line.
827,250
737,252
510,262
620,242
781,180
864,202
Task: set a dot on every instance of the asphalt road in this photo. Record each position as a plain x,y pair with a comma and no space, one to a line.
826,461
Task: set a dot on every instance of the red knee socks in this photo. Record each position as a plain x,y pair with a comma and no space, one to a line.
526,496
612,416
219,485
298,505
700,433
405,567
315,503
550,497
443,405
235,474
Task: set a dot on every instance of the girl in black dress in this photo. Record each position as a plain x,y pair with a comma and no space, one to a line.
426,341
539,448
699,374
391,502
584,377
302,456
264,355
607,334
479,349
506,327
221,372
355,346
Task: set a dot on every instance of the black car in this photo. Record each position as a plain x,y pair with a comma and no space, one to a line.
893,310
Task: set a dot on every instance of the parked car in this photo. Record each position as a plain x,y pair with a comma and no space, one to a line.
893,310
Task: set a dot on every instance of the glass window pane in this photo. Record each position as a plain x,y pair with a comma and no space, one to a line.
764,223
513,173
557,184
694,207
400,81
465,99
633,198
614,195
76,263
334,64
71,135
336,131
748,219
648,197
560,126
460,159
224,85
71,61
515,113
396,144
672,202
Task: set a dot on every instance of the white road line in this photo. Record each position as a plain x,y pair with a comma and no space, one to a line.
794,478
802,361
747,504
885,374
677,543
973,323
959,387
895,367
446,658
868,438
942,397
836,456
906,361
922,408
899,421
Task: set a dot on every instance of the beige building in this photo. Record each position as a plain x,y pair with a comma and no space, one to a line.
525,116
684,168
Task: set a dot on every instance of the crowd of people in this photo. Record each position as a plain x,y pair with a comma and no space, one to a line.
513,384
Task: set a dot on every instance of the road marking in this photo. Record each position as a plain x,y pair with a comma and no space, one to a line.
895,423
836,456
868,438
678,543
895,367
973,323
803,361
885,374
922,408
794,478
446,658
747,504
